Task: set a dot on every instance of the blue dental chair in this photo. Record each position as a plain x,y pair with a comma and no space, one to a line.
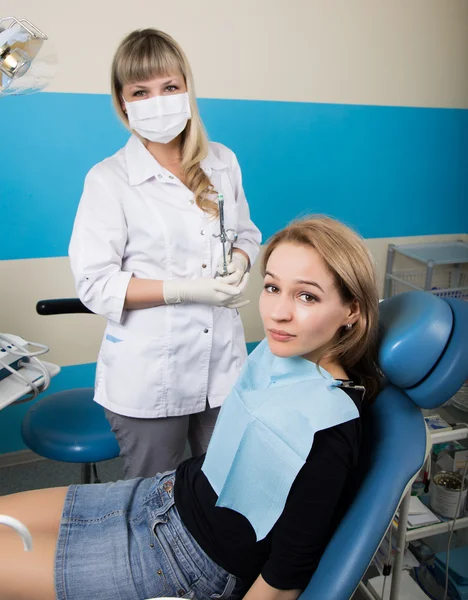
424,356
68,426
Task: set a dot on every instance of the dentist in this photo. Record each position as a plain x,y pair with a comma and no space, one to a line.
144,255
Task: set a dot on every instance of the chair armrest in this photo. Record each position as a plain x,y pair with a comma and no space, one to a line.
61,306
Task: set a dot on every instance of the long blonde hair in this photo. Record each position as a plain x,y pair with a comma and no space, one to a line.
148,53
352,267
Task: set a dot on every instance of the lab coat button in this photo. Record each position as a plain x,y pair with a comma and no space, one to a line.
191,201
204,266
202,232
205,330
171,176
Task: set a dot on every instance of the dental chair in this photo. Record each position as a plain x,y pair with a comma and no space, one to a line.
68,426
423,354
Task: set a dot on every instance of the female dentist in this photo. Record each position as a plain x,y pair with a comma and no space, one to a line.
145,253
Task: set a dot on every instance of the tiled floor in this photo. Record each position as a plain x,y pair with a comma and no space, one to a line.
49,473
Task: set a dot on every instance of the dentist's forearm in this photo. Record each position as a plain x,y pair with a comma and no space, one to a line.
244,254
144,293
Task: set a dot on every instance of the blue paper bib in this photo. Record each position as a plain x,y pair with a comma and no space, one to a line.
265,431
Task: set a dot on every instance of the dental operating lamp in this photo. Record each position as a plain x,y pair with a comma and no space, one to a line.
27,64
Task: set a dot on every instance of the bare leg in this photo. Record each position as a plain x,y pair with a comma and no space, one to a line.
39,510
26,575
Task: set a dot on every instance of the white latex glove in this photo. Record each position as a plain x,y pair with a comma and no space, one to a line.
238,303
237,265
217,292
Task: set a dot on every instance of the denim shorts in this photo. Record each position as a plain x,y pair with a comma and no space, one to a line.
126,541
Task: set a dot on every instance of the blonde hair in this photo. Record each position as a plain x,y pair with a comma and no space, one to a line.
352,267
148,53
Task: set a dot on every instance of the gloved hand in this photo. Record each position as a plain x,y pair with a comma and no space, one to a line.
217,292
238,302
237,265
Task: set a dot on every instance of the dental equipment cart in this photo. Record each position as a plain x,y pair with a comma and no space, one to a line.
440,268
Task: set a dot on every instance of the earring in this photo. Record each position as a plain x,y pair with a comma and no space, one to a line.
348,326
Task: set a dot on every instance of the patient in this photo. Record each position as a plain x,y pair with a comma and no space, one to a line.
252,516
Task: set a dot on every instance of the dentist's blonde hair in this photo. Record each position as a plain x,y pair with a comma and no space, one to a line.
352,267
148,53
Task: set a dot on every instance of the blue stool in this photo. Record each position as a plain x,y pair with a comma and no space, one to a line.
69,426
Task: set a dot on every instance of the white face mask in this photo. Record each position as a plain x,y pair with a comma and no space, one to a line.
161,118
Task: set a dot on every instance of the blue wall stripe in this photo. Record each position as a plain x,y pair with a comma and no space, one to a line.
389,171
11,417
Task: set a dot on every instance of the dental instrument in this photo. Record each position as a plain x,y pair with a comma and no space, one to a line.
225,235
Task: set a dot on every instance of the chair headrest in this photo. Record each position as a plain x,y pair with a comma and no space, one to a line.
451,370
415,328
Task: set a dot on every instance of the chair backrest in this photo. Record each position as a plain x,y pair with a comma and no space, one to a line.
424,356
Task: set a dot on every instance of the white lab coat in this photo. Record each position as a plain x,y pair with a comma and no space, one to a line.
136,218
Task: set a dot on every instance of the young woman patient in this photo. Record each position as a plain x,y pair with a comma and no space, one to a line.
251,517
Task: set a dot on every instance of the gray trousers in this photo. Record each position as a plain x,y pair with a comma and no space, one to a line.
151,446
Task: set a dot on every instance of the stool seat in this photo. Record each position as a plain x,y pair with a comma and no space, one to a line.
69,426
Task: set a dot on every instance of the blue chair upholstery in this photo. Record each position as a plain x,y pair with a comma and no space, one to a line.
418,330
450,372
251,346
69,426
422,345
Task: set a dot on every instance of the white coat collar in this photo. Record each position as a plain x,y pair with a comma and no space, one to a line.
141,165
212,162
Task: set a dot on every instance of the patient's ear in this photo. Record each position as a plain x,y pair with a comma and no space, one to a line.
354,312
